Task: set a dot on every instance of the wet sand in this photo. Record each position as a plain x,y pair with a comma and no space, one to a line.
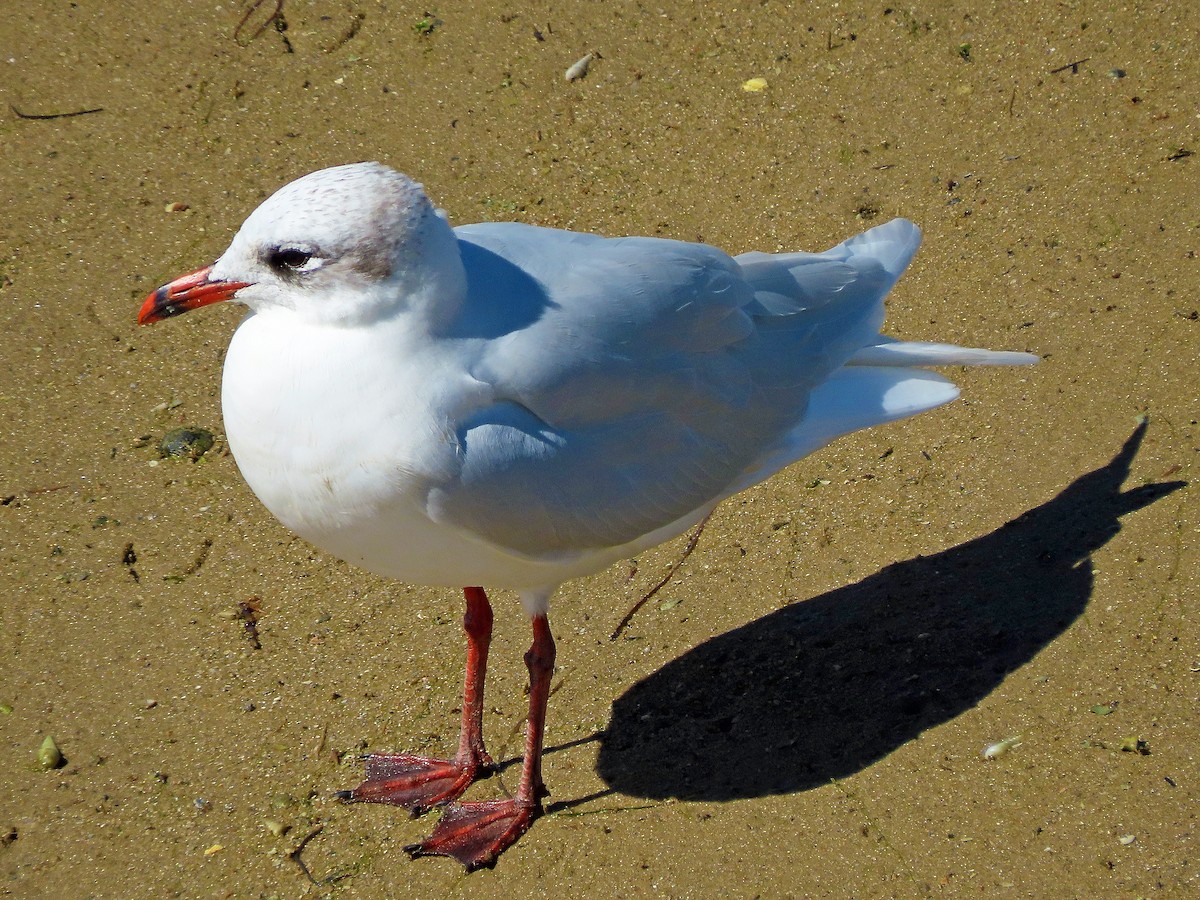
802,710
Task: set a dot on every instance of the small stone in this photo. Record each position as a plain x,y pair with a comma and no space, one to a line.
191,442
579,68
49,756
175,207
1135,745
276,827
1000,748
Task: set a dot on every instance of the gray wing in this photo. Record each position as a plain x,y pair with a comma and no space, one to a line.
637,379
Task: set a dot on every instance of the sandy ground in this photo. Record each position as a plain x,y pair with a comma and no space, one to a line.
802,710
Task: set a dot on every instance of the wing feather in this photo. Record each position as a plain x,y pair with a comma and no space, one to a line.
637,380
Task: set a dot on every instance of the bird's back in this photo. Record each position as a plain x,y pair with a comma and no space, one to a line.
639,380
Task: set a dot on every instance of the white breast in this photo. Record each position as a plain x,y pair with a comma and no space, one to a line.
345,452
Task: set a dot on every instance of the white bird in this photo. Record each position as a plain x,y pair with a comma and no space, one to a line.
514,406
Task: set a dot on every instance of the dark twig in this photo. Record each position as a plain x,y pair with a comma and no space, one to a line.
347,35
66,115
261,28
30,492
687,551
294,854
1073,66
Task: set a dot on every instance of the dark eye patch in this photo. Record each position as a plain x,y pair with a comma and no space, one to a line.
291,259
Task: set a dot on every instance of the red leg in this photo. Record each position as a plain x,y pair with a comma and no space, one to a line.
418,782
476,833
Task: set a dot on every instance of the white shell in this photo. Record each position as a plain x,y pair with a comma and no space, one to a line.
579,68
998,749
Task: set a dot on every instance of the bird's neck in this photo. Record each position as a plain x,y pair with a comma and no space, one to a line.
430,277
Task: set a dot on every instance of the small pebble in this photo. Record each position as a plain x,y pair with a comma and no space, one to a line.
282,801
1127,839
998,749
1135,745
579,68
191,442
276,827
755,85
175,207
49,756
215,848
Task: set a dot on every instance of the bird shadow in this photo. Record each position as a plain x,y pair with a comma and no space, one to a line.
823,688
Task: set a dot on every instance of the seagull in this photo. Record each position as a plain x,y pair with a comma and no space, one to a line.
514,406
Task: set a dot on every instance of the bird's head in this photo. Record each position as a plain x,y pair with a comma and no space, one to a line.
348,245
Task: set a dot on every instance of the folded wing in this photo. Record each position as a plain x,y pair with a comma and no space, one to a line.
640,380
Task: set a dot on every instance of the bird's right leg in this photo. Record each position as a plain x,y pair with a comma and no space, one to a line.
418,782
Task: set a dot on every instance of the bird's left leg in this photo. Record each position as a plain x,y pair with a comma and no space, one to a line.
476,833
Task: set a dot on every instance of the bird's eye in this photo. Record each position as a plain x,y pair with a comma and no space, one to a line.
290,258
